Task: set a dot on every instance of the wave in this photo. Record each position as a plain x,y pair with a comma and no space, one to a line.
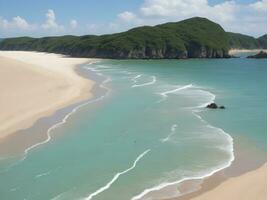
200,177
228,148
173,129
107,186
165,94
63,121
42,174
154,79
134,79
66,117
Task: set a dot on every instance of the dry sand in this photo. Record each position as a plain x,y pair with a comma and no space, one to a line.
236,51
250,186
34,85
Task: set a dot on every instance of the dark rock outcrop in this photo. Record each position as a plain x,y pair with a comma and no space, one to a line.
215,106
212,106
262,54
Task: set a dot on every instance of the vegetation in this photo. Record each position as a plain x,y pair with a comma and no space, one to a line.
193,38
240,41
263,41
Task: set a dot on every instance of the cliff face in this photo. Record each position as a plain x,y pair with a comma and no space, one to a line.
153,54
192,38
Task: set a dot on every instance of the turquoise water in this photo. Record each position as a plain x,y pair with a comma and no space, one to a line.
146,130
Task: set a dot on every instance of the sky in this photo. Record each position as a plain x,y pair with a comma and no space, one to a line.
38,18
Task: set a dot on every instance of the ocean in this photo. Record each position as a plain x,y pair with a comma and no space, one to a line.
145,132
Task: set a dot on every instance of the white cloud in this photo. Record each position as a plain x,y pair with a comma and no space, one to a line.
248,18
50,23
127,16
3,23
181,9
21,23
15,23
73,23
245,18
260,5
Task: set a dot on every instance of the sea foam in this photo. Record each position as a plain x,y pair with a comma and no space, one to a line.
107,186
154,79
173,129
229,148
67,116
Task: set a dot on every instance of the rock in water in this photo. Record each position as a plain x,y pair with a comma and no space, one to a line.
262,54
212,106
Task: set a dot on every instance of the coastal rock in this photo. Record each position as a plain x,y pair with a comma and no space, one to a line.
212,106
262,54
215,106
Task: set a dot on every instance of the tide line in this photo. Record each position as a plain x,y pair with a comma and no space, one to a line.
154,79
64,120
165,94
166,184
107,186
228,148
173,129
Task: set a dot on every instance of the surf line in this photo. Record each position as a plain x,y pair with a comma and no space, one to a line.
166,184
165,94
229,148
134,79
173,129
145,84
64,120
107,186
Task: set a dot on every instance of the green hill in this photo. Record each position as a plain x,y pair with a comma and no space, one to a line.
191,38
240,41
263,41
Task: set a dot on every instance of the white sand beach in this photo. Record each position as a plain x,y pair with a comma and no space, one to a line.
236,51
251,185
34,85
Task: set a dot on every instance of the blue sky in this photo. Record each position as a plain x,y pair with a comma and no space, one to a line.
51,17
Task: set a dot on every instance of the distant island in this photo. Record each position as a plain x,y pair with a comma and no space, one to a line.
262,54
192,38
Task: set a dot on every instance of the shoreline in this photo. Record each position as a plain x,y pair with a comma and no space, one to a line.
236,51
188,185
246,162
211,185
60,85
250,185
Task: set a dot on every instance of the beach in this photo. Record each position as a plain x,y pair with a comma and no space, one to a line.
150,124
34,85
251,185
237,51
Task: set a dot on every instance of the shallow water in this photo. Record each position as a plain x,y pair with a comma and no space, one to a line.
150,130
